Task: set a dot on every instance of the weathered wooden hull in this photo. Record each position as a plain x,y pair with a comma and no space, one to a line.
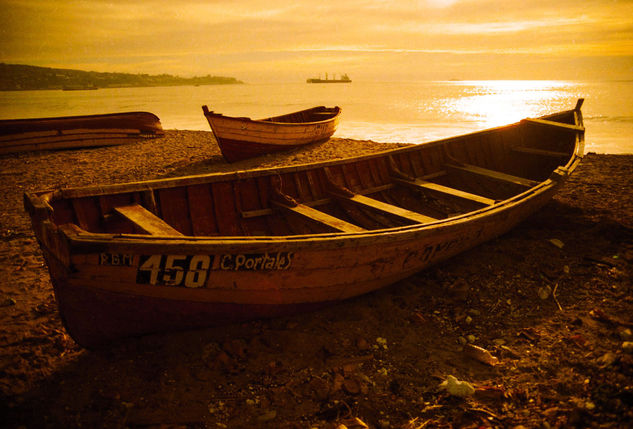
22,135
242,138
197,251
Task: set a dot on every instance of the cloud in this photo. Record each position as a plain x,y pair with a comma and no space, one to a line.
155,36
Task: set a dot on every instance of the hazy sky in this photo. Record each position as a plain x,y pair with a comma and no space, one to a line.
279,40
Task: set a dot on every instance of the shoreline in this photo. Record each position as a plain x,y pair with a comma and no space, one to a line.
325,368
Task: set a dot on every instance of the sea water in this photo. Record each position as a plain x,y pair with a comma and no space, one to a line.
412,112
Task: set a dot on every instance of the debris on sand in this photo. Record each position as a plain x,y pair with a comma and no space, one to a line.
455,387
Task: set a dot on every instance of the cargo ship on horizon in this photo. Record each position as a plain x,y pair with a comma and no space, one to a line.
343,79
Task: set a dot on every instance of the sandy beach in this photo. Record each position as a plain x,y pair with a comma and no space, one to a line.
552,300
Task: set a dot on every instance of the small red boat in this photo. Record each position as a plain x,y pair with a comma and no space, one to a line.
241,138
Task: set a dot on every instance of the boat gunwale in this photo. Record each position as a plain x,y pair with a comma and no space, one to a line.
267,121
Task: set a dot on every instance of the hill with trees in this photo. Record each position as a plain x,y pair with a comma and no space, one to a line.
16,77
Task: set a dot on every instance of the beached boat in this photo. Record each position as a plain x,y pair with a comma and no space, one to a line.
187,252
22,135
241,138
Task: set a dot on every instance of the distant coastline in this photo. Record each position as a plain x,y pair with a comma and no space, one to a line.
18,77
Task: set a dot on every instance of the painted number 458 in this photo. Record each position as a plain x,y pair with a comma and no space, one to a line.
174,270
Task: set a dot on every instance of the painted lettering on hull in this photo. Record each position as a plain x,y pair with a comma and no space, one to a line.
256,261
434,251
115,259
192,271
189,271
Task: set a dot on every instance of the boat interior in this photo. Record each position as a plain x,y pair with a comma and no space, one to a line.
410,186
315,114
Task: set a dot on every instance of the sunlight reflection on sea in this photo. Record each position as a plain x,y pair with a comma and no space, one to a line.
387,112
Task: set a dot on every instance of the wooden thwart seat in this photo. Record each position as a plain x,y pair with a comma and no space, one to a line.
364,201
496,175
146,220
430,186
542,152
320,217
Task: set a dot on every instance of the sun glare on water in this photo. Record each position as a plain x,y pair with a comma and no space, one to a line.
493,103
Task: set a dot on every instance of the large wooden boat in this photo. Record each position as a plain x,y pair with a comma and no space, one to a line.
179,253
21,135
241,138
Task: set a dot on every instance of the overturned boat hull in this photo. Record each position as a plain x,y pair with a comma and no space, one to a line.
66,132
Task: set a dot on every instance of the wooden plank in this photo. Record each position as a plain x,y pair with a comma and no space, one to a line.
224,207
364,173
563,126
314,183
149,201
288,184
108,202
146,220
64,213
86,212
28,135
404,162
437,157
474,147
368,219
321,217
300,183
78,131
201,210
374,170
247,198
497,175
364,201
314,203
422,184
416,163
541,152
352,180
174,208
256,213
276,224
435,175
